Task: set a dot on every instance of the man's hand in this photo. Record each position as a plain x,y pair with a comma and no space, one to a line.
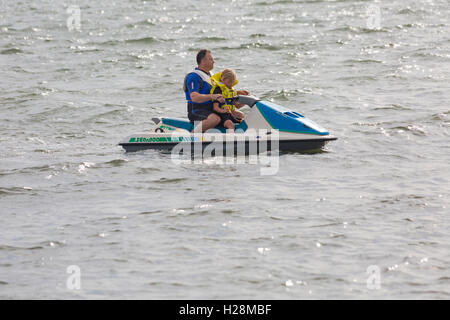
243,92
218,97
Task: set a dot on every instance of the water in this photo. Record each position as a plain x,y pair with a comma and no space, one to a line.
140,226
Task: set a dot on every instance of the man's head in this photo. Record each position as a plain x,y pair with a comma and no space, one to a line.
205,60
228,77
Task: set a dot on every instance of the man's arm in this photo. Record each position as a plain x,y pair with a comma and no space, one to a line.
193,83
243,92
199,98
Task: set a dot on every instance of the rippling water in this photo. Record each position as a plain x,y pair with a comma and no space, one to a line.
140,226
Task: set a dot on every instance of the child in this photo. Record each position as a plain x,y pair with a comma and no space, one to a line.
223,83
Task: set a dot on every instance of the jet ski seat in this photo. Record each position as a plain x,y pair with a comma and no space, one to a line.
179,123
187,125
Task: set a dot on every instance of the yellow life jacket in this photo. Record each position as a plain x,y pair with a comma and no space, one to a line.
227,93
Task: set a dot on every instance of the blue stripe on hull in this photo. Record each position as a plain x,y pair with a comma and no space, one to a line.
284,119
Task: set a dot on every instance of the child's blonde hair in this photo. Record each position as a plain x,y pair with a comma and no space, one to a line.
229,74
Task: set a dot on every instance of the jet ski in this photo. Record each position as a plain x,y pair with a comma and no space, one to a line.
267,127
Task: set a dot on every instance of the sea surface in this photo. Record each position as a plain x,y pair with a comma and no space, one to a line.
367,218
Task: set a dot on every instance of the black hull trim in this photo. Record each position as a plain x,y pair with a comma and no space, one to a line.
283,145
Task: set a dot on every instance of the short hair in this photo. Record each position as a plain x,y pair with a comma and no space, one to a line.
229,74
201,54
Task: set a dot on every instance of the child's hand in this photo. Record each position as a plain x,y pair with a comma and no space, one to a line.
238,114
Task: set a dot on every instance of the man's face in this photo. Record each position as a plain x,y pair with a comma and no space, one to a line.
208,61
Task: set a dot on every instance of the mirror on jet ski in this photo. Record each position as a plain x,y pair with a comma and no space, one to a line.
248,100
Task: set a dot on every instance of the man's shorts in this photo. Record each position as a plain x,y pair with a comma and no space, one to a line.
199,113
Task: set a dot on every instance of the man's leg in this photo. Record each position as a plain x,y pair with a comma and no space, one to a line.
212,121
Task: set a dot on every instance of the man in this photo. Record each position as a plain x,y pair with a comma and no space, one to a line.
197,87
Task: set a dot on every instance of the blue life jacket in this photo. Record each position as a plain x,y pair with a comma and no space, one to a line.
197,81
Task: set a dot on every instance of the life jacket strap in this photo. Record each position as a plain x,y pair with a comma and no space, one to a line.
201,74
